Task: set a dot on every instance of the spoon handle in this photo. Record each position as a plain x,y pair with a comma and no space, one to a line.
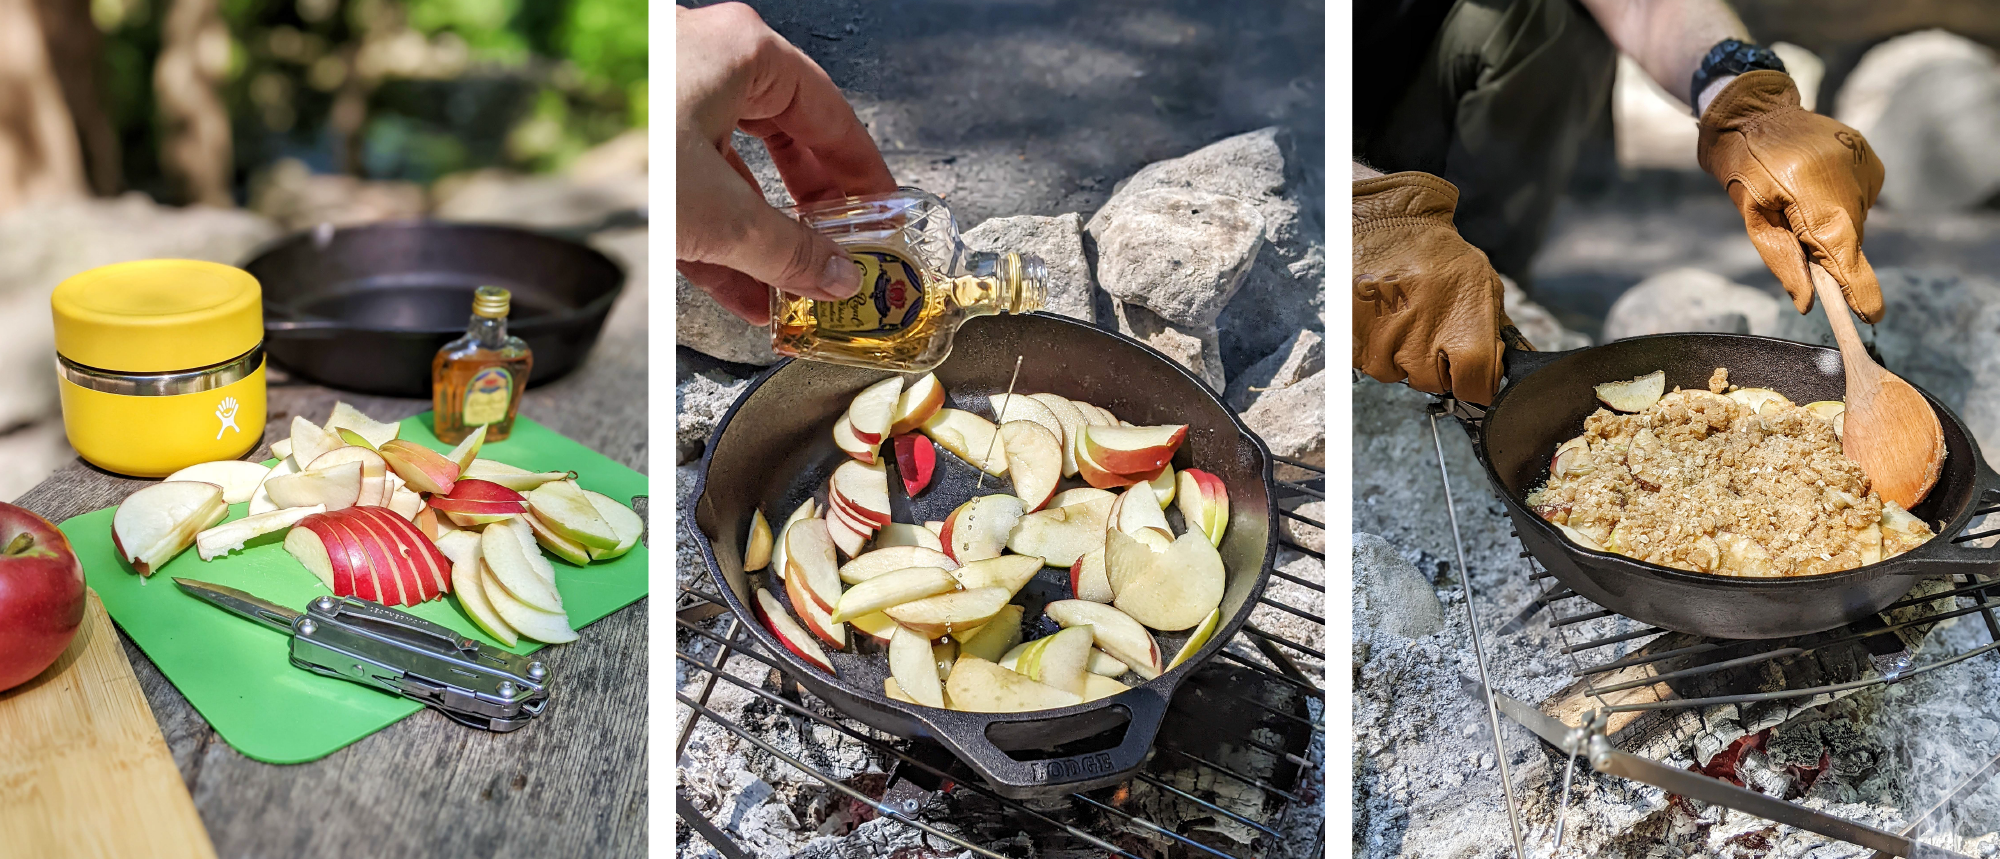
1852,353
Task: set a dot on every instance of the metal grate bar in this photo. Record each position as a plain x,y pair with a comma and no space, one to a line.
1802,693
1582,618
1614,639
1270,672
1258,783
710,833
1280,640
1157,783
1290,610
1297,518
1307,583
1129,817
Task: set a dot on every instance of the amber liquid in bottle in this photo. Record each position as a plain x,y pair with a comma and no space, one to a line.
477,379
905,315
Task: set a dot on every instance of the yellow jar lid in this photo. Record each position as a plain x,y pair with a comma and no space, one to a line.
157,316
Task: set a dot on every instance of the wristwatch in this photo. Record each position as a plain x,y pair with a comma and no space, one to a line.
1730,57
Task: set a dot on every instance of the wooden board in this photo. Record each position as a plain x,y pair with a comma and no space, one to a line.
84,771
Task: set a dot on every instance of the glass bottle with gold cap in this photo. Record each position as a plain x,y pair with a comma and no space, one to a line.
919,284
477,379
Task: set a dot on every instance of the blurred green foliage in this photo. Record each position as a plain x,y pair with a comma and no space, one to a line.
403,89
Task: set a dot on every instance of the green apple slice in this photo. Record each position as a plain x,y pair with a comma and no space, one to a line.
566,510
1200,637
625,522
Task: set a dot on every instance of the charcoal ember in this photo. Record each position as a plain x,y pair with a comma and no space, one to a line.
1754,770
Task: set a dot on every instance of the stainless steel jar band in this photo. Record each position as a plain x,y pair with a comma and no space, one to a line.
163,384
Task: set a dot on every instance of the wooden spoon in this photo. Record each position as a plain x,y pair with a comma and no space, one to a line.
1890,429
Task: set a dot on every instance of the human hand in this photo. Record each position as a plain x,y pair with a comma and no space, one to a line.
733,72
1427,305
1803,182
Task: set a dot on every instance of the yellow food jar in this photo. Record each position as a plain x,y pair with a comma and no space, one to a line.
161,364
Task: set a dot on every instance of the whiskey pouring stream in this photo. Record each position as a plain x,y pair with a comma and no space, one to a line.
1890,429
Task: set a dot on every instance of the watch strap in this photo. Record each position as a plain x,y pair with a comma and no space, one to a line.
1730,57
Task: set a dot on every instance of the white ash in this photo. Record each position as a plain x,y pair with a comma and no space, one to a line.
700,400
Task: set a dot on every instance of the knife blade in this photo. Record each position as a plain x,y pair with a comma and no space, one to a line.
241,604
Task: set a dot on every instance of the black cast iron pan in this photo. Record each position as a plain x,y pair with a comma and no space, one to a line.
1550,393
366,308
774,449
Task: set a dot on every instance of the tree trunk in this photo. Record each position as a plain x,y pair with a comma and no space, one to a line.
76,50
39,158
196,151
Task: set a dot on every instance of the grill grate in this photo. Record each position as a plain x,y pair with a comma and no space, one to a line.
711,637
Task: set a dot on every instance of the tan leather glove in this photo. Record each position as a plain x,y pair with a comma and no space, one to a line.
1803,182
1427,305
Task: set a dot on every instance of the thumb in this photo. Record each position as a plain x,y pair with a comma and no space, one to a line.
733,227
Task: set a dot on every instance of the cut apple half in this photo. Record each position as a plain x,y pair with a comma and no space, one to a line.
788,631
1133,450
335,488
1034,460
979,529
850,444
1115,631
979,686
916,404
425,470
889,559
970,438
902,534
375,432
550,627
1006,572
874,409
1061,535
1200,637
1633,395
309,441
916,461
996,636
1168,591
756,546
230,536
374,472
517,479
892,589
1087,579
239,480
865,488
914,668
1021,407
1072,421
564,508
809,554
939,615
467,449
160,521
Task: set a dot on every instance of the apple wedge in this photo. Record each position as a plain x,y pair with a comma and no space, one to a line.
1072,421
1095,474
1087,580
1115,631
1078,495
407,504
1635,394
1034,460
1140,510
893,589
889,559
901,534
517,479
1061,662
851,444
239,480
979,529
979,686
1019,653
625,522
566,510
1133,450
350,437
281,449
806,510
875,625
914,669
1061,535
374,471
467,449
996,636
1168,591
816,620
1097,686
260,501
894,692
408,549
788,631
465,581
425,470
230,536
865,489
756,547
1200,637
503,554
336,488
809,556
1204,504
1163,486
160,521
309,441
939,615
460,547
874,410
1106,664
375,432
550,627
916,404
578,554
1006,572
849,535
1021,407
970,438
916,461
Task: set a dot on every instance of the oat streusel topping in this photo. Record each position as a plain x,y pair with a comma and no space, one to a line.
1703,481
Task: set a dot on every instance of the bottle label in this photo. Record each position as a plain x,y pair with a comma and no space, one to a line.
891,296
486,396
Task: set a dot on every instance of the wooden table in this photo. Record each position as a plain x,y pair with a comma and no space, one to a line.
571,784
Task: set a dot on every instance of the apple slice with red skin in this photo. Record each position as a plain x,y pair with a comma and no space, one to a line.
865,488
809,552
788,631
312,552
395,583
430,560
816,620
475,489
1095,474
916,460
425,470
916,404
1204,503
323,544
848,537
893,589
1072,421
1087,580
502,509
850,444
874,409
1034,459
1133,450
861,520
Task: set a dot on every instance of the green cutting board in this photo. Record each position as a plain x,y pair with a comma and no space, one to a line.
238,673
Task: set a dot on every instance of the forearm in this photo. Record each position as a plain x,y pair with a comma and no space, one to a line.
1363,171
1668,37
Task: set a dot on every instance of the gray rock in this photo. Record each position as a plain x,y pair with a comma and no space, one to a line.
704,326
538,201
1249,166
1059,242
1303,357
1537,324
1192,347
290,193
1307,536
1180,253
700,400
1390,596
1690,299
1929,104
1292,421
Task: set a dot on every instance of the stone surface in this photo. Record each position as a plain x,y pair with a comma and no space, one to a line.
1929,104
1536,323
290,193
550,202
1180,253
700,400
1299,359
1059,242
1195,347
1390,596
1690,299
1307,536
1292,420
702,325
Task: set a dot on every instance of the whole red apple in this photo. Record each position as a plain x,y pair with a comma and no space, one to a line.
41,595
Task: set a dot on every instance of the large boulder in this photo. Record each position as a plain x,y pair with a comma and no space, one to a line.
1536,323
1193,347
1059,242
1180,253
1690,299
1929,104
704,326
1300,359
1292,421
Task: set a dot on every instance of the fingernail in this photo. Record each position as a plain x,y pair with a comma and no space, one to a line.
839,279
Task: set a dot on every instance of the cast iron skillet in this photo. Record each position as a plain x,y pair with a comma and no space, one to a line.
366,308
1550,393
775,448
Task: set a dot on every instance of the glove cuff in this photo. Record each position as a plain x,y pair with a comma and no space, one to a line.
1751,96
1403,198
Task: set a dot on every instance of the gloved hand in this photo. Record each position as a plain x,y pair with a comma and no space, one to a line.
1803,182
1427,305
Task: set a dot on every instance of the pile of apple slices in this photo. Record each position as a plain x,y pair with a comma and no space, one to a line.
939,597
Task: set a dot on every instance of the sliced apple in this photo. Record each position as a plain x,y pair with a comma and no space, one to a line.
1763,401
503,554
360,565
1106,664
1078,495
809,554
914,669
894,692
875,625
865,488
313,553
1007,572
467,449
1204,504
806,510
1095,474
466,582
517,479
1827,409
970,438
939,615
375,432
160,521
230,536
1171,590
410,550
1163,486
874,409
943,654
1133,450
565,509
281,449
1633,395
889,559
348,436
1061,535
373,471
916,404
625,522
1087,579
916,461
570,550
1115,631
1072,421
1141,510
1034,460
239,480
788,632
407,504
979,529
309,441
816,620
1021,407
979,686
892,589
1025,658
460,547
425,470
1062,661
851,444
996,636
903,534
336,488
756,547
1200,637
1097,686
848,535
551,627
260,501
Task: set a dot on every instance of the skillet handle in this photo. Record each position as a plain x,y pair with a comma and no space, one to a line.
1987,483
965,735
304,329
